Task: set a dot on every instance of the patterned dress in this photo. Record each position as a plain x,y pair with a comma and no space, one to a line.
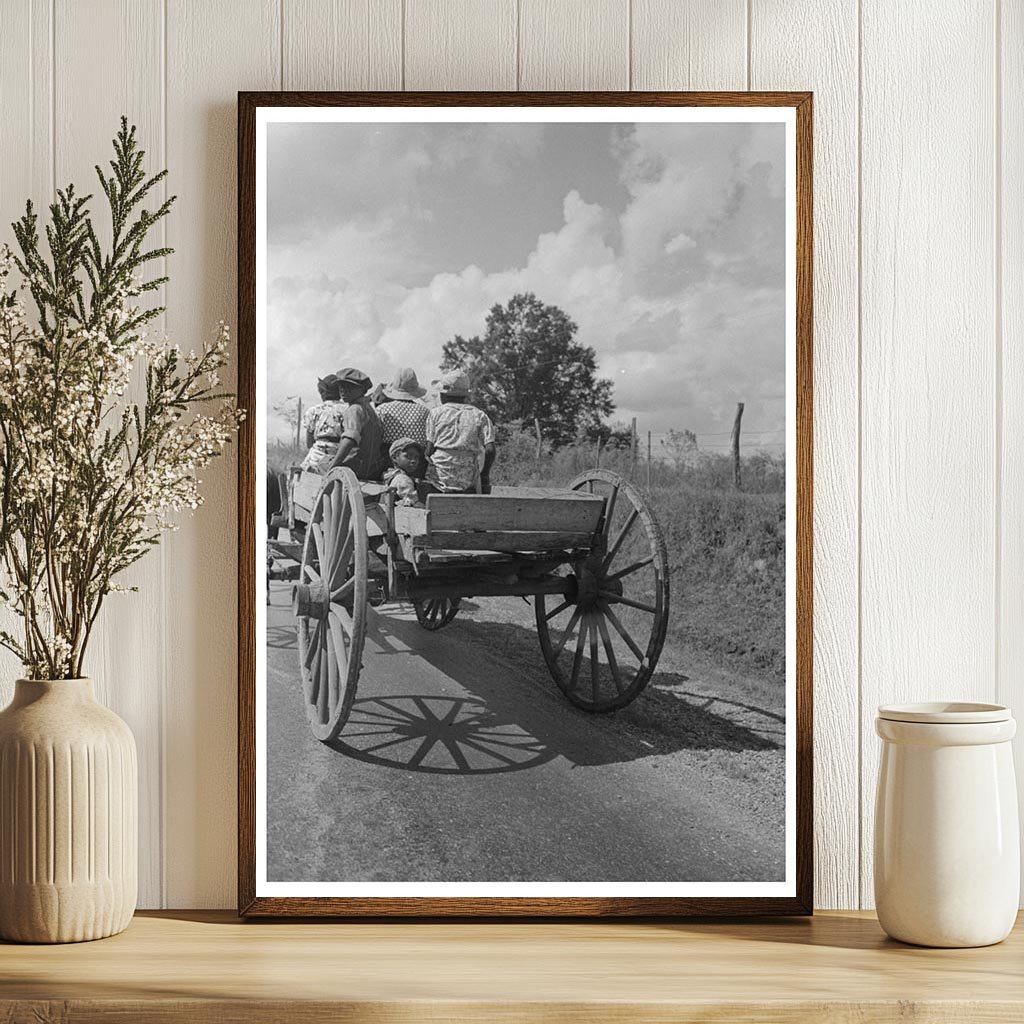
403,419
325,423
459,434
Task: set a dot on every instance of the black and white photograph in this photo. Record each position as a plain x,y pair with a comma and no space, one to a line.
525,569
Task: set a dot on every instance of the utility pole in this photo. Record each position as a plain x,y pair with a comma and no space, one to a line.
540,443
648,461
298,426
736,480
632,449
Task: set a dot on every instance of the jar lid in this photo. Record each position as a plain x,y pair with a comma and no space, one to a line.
945,712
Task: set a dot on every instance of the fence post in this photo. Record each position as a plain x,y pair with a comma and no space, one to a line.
540,445
632,449
600,444
298,427
736,478
648,460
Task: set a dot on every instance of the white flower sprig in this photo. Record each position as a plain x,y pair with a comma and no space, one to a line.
90,477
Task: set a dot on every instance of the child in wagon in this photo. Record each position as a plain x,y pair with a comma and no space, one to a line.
407,476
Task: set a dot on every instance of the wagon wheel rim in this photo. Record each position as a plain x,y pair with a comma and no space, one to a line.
330,603
602,641
436,612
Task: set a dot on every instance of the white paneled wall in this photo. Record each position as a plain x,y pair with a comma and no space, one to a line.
919,324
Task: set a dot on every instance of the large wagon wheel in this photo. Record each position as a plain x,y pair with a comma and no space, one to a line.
330,603
435,613
602,641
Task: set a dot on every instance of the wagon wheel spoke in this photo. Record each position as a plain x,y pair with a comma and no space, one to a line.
323,679
434,611
634,567
621,599
320,543
613,664
339,639
343,556
337,667
345,590
343,616
577,661
595,674
620,629
313,645
567,634
311,573
559,608
609,509
620,537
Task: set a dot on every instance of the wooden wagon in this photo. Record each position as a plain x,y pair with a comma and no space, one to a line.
591,556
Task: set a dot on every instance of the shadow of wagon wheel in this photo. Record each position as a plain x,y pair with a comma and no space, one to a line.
438,735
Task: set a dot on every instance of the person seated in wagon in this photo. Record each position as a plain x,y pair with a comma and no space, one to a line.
407,476
359,435
401,412
323,426
460,439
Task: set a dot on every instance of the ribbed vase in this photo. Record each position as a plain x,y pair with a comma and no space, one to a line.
68,815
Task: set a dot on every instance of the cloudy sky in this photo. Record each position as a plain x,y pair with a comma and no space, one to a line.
664,242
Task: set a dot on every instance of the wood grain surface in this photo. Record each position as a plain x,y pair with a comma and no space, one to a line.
208,966
779,57
928,367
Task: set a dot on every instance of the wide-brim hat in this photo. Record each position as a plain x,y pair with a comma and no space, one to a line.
403,443
350,375
404,385
455,382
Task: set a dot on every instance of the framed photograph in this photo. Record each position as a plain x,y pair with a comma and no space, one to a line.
525,605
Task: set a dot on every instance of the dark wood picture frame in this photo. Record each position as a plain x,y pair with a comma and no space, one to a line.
249,903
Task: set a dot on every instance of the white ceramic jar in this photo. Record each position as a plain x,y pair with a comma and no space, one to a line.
947,847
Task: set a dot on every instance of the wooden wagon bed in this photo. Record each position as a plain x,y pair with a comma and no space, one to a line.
562,548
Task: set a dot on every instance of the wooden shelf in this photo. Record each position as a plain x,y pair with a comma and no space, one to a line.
209,966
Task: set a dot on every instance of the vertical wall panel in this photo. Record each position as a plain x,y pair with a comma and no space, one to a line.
689,44
1011,314
213,51
342,44
26,169
460,44
574,44
124,656
928,539
814,46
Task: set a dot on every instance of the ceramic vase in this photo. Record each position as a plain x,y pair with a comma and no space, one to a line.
68,815
947,848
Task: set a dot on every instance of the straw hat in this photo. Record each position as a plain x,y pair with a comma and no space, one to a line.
404,386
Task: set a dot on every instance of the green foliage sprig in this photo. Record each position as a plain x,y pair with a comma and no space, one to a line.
91,471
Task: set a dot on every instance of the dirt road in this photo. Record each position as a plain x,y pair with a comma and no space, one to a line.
462,762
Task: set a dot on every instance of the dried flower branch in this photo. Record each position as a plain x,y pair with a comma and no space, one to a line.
89,477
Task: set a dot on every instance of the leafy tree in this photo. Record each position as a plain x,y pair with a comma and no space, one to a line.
681,447
529,366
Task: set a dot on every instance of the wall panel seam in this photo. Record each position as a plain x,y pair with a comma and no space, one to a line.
162,709
997,325
859,867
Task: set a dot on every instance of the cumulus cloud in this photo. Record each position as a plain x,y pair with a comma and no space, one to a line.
680,291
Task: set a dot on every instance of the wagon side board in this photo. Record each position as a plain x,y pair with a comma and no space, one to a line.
534,520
